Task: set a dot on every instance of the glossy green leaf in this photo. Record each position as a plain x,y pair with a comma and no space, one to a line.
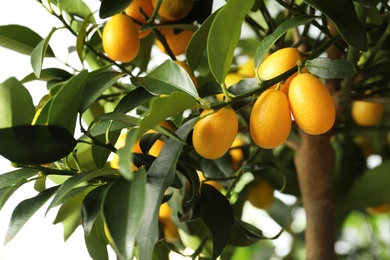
127,198
266,44
244,234
16,104
81,36
368,3
198,42
91,208
343,14
95,241
160,176
165,106
167,78
73,182
219,168
13,177
224,35
109,8
25,210
98,82
143,57
330,69
50,74
21,39
7,191
78,8
66,103
69,213
35,144
132,100
217,214
39,53
125,154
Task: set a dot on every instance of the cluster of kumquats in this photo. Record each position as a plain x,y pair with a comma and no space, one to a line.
302,97
122,33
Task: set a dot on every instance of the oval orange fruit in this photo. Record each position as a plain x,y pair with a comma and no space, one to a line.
215,132
133,11
278,63
311,104
270,119
174,9
120,38
177,41
366,113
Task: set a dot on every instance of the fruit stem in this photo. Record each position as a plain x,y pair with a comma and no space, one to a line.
228,98
278,86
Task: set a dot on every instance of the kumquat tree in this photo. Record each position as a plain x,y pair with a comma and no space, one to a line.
250,102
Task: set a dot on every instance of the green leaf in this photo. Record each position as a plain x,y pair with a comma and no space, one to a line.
109,8
224,35
69,213
266,44
98,81
368,3
35,144
165,106
16,104
39,53
330,69
73,182
78,8
91,208
66,102
198,42
13,177
95,241
25,210
160,176
50,74
21,39
125,154
167,78
244,234
142,59
217,214
133,99
343,14
7,191
127,198
82,34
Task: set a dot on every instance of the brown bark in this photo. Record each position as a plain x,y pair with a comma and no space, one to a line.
315,161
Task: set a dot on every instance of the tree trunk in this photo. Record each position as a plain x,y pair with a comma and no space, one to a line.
315,162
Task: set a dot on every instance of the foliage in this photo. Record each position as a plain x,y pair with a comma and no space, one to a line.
120,207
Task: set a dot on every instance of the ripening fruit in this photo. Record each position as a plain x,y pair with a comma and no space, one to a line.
120,143
247,69
215,132
174,9
133,11
270,119
171,233
120,38
236,152
187,68
261,194
366,113
311,104
277,63
177,41
213,183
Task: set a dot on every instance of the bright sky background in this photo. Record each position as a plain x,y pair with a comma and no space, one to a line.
39,238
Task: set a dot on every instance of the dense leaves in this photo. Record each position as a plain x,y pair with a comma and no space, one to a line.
27,144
